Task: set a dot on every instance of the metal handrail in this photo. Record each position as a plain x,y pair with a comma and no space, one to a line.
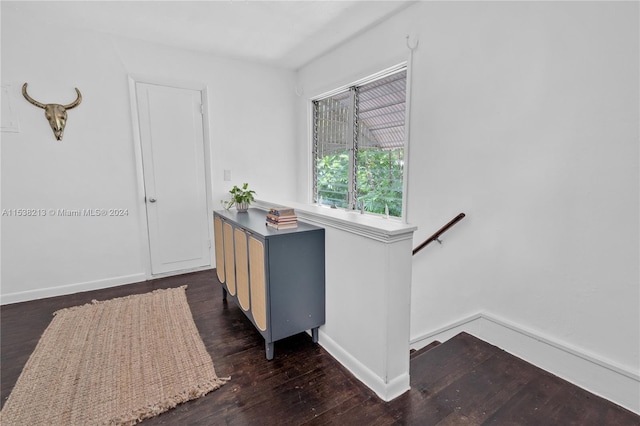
439,232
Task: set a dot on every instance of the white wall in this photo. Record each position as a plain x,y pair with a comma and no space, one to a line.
250,117
531,128
525,117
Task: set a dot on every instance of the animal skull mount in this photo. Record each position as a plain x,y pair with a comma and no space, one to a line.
56,114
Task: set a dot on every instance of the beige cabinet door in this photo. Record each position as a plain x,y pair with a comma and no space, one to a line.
258,283
219,246
229,261
242,268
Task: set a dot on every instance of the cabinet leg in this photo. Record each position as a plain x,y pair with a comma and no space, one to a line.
224,294
268,347
314,335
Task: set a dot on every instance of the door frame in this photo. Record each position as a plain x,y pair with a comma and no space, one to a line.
145,249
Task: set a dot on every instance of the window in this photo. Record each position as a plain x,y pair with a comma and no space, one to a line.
358,145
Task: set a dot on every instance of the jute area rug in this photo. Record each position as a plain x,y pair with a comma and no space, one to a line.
114,362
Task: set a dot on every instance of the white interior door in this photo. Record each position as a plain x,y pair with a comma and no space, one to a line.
172,142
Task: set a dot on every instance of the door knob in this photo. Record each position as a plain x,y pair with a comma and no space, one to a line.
152,200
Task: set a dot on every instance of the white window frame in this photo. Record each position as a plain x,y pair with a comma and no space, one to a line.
406,65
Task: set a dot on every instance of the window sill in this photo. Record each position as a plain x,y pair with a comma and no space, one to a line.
371,226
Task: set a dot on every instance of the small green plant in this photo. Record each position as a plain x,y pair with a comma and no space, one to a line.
240,197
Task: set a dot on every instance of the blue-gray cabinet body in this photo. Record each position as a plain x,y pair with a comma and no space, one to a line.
277,277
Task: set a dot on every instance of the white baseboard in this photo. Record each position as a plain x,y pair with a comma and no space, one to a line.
385,390
179,272
23,296
594,373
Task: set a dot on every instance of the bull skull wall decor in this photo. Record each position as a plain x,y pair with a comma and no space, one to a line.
55,113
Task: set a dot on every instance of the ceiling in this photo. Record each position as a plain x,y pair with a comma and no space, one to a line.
282,33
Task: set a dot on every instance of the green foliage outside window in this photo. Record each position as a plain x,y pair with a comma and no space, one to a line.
333,179
379,180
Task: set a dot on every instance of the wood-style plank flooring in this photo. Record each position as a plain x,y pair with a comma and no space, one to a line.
463,381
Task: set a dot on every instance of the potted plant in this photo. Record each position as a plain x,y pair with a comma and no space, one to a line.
240,197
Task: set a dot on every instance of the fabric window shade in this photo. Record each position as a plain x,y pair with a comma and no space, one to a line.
381,112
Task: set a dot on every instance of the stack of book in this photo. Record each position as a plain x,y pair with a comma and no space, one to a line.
282,218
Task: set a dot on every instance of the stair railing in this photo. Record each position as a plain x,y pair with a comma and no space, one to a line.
435,237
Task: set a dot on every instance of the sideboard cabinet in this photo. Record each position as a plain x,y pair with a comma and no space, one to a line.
277,277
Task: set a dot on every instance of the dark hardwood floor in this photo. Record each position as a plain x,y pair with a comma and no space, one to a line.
463,381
